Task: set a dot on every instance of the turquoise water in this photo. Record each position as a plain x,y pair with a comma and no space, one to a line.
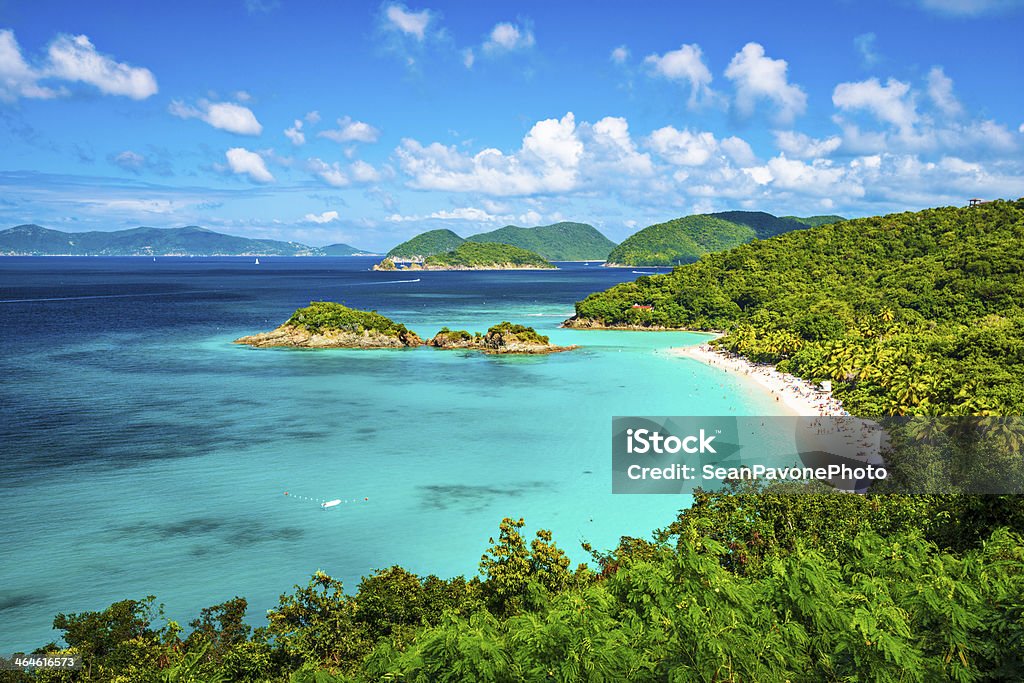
146,454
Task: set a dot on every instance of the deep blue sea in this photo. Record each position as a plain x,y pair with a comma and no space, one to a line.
141,452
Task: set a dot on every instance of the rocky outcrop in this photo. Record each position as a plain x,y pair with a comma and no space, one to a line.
299,337
504,338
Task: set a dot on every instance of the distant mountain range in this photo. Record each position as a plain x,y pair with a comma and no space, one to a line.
684,240
33,240
557,242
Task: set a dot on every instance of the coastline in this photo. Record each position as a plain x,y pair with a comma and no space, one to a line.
799,396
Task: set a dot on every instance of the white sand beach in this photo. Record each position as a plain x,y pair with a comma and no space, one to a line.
799,396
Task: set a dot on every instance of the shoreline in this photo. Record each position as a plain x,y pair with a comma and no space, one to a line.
799,396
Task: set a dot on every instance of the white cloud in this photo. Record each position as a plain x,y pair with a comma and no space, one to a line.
228,116
363,172
321,218
865,44
804,146
758,77
468,58
506,37
351,131
620,54
940,90
685,64
970,8
295,133
312,118
890,103
71,59
612,149
405,21
547,162
738,150
683,147
1020,128
74,58
332,174
243,162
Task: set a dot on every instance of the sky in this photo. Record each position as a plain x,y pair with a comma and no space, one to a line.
368,122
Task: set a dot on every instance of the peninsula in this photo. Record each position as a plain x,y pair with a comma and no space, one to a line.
476,256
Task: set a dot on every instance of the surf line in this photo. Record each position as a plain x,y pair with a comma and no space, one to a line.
325,504
382,282
106,296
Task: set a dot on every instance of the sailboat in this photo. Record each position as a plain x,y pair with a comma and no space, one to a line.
257,260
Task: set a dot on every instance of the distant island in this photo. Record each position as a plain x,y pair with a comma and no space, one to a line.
684,240
475,256
326,325
564,241
504,337
330,325
192,240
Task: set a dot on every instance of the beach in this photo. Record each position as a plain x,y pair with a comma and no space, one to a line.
799,396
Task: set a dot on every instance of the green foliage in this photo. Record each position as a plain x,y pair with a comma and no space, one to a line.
522,332
324,316
427,244
558,242
684,240
486,255
912,313
815,221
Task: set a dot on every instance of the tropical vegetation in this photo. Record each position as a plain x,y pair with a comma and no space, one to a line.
324,316
426,244
911,313
486,255
564,241
684,240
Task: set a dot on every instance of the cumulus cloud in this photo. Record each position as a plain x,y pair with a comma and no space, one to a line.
940,90
295,133
332,173
468,58
804,146
506,37
758,77
620,54
891,103
683,147
351,131
684,65
363,172
228,116
243,162
130,161
400,18
72,59
321,218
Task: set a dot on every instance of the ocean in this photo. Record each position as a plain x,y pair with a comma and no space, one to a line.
141,452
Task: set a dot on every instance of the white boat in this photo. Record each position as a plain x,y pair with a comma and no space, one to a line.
257,262
331,503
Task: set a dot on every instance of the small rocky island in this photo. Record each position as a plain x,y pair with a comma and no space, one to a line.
475,256
501,338
329,325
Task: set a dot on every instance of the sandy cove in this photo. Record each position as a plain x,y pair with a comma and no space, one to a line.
798,395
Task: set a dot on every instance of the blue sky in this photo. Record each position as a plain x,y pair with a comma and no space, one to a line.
369,122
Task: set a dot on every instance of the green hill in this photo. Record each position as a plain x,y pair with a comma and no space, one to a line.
426,244
33,240
558,242
684,240
485,255
906,313
342,249
815,221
